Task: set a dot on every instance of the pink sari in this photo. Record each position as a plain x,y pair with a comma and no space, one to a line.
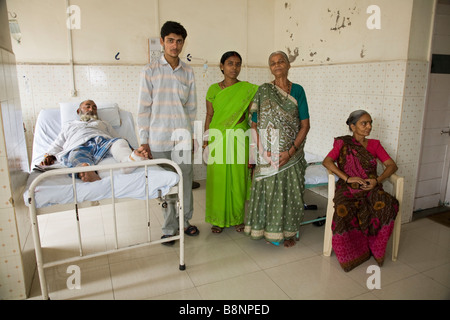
363,220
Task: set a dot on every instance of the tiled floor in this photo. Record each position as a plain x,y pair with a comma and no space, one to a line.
230,265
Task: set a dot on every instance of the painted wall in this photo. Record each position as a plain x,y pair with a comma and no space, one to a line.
318,31
109,27
337,32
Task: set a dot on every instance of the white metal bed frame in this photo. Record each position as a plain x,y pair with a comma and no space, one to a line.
177,189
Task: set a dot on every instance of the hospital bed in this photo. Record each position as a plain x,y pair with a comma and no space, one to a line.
315,176
55,188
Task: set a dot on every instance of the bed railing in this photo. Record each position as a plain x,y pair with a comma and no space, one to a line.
41,265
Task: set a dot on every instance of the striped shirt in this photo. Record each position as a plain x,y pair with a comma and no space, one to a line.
167,101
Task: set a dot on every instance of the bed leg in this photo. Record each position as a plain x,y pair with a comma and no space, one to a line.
38,251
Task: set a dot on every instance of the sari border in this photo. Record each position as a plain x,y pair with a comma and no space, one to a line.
285,94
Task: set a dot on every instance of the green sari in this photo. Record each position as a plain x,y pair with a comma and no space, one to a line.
228,177
276,201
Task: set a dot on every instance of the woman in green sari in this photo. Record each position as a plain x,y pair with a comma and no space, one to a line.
280,120
226,128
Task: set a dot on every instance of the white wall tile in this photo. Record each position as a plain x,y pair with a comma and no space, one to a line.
98,78
9,88
416,79
41,78
81,74
413,112
395,78
389,139
374,104
409,147
409,172
358,78
61,79
13,159
392,112
3,93
376,77
5,186
407,207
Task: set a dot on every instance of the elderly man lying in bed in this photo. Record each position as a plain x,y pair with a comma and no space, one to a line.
86,141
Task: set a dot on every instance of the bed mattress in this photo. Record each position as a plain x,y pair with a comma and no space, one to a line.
59,189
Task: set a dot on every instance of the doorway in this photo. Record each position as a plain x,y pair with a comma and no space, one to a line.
433,189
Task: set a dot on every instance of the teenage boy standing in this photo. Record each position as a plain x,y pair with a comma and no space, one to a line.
168,103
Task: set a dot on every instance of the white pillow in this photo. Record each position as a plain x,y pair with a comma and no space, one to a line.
107,111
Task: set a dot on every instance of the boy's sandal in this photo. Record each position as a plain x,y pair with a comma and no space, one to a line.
167,243
192,231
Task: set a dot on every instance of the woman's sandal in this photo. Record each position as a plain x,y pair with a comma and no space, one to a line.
275,243
288,243
240,227
216,229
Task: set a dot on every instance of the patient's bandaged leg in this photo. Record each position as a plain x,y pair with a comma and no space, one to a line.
122,152
90,152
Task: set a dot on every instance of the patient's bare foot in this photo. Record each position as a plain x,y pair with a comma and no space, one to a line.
141,152
89,176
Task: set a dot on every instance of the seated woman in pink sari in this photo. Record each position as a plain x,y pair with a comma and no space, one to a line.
364,213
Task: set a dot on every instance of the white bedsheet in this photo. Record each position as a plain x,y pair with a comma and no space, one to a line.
315,173
58,189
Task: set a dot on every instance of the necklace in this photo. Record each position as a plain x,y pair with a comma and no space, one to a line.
223,86
287,90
